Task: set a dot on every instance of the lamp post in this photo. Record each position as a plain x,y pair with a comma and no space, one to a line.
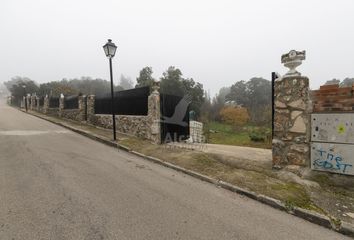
24,90
110,50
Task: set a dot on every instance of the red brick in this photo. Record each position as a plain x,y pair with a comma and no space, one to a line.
329,86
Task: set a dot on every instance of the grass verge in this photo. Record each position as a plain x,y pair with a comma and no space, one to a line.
226,134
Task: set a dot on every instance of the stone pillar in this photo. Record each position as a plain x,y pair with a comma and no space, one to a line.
61,105
291,115
33,102
28,98
37,104
81,104
154,114
46,104
90,108
23,102
9,100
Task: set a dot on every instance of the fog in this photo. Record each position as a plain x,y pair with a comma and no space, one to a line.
215,42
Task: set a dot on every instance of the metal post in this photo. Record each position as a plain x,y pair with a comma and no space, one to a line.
112,101
274,76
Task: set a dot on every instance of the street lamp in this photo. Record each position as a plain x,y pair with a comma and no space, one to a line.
24,90
110,50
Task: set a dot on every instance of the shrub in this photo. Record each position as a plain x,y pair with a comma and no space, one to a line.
257,136
260,135
234,115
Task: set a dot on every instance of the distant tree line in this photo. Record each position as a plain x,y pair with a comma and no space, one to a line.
172,82
241,103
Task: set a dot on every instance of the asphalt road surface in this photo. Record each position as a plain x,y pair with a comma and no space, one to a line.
55,184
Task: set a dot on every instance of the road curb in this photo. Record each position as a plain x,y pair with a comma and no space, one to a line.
272,202
311,216
347,229
238,190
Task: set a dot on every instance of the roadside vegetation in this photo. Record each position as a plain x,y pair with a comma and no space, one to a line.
248,135
239,115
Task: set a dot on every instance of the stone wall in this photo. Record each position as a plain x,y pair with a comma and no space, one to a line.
146,127
132,125
73,114
52,112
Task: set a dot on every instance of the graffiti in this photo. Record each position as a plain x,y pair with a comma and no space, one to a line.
331,161
341,129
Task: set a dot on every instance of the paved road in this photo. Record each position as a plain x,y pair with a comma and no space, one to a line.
55,184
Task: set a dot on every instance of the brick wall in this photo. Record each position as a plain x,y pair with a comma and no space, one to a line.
332,98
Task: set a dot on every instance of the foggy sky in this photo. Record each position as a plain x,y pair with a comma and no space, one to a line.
215,42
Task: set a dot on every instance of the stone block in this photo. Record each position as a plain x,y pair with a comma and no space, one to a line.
296,158
279,104
298,104
295,114
300,148
299,126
